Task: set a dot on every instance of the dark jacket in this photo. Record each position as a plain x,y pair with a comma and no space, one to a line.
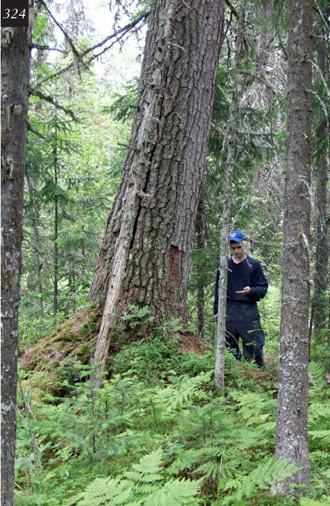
246,273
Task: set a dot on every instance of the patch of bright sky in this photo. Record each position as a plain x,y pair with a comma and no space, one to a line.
122,62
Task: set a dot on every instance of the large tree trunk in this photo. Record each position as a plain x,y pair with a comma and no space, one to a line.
15,73
291,420
145,256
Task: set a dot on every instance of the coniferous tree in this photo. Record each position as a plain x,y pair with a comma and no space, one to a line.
145,256
320,302
292,401
15,73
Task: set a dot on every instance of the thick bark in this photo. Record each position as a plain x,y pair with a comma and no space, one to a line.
145,256
15,67
291,420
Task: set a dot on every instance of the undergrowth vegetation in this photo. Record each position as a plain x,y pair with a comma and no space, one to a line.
157,433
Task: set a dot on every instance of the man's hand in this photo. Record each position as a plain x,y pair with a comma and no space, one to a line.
246,290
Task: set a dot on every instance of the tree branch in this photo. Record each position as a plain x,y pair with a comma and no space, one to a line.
232,8
122,32
35,132
47,48
67,37
50,99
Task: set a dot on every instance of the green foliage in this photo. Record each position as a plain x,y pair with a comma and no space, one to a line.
261,478
157,431
147,483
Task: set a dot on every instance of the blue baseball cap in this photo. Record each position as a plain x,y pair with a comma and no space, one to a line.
236,236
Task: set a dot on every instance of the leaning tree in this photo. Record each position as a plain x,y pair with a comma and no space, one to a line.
145,255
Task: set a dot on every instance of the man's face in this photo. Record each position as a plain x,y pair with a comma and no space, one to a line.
237,249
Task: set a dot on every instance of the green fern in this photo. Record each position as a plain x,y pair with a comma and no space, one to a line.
103,491
146,484
222,461
174,493
320,434
176,396
261,478
254,408
316,373
318,410
311,502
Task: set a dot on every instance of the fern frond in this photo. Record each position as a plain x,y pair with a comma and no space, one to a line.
253,407
311,502
176,396
321,434
318,410
103,491
261,478
175,493
149,464
185,460
316,374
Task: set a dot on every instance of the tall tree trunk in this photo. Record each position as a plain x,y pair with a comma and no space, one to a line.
15,71
145,256
229,159
320,307
292,403
36,246
200,243
56,205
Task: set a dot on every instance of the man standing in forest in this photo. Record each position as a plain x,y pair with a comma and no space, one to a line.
246,285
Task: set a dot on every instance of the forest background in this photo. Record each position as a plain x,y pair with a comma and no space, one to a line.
157,416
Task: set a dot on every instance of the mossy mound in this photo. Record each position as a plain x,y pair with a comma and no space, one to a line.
72,341
38,385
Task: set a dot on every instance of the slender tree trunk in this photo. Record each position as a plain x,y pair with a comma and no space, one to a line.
145,256
200,233
229,157
320,306
38,260
55,295
15,71
292,403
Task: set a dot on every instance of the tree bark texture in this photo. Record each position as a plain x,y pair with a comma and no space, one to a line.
292,403
145,255
15,71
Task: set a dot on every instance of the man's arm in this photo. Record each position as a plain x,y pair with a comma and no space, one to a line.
259,283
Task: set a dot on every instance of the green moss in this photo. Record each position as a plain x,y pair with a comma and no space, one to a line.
39,384
70,341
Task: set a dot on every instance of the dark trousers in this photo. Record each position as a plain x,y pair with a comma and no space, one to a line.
243,322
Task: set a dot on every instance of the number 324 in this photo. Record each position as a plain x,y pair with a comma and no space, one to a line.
13,14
